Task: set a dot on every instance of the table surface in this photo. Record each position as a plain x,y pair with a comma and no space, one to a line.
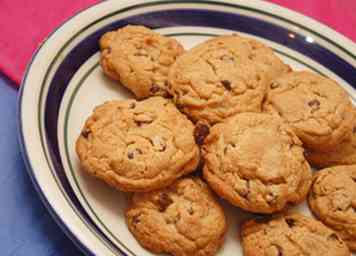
26,228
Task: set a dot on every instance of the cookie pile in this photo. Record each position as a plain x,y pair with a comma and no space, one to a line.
231,109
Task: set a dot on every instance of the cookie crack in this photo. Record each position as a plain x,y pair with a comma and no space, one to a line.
212,67
296,245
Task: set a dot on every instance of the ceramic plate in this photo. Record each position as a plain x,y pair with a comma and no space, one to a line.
64,82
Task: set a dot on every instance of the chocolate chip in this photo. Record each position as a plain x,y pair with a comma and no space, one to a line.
226,84
190,211
85,133
314,104
164,201
278,249
290,222
200,132
136,219
166,94
163,148
131,154
354,130
225,150
184,91
274,85
132,105
333,237
340,209
353,178
140,123
155,88
280,252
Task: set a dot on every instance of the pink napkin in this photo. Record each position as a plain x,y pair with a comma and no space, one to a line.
24,24
338,14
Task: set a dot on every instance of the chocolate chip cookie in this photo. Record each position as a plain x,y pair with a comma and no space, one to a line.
343,154
183,219
223,76
139,58
333,200
291,235
256,162
317,108
138,145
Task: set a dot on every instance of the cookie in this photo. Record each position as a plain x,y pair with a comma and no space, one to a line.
183,219
138,145
256,162
291,235
317,108
343,154
139,58
223,76
333,200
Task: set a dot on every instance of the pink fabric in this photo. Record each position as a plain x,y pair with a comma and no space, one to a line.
24,24
338,14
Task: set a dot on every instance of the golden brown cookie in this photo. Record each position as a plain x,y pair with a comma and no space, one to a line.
138,145
317,108
256,162
333,200
343,154
183,219
139,58
291,235
223,76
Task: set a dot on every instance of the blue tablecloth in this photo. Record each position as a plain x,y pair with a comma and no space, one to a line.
26,228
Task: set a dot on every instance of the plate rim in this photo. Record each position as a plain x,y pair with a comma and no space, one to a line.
266,6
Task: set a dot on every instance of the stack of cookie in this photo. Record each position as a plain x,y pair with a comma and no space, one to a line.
231,108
